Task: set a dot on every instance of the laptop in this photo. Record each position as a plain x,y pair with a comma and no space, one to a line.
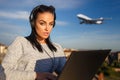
83,65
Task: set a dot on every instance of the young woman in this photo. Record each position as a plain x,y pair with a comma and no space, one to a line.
35,57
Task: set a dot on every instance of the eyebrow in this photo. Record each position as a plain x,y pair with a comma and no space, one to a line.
42,21
45,21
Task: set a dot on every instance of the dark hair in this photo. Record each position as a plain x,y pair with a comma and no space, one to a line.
33,36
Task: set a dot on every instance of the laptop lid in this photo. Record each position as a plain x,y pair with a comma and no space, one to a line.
83,65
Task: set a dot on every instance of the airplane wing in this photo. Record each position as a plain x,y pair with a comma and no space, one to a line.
98,19
101,19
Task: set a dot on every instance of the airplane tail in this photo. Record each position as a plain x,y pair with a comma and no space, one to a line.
108,18
101,18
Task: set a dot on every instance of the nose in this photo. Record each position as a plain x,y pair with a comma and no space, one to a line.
47,27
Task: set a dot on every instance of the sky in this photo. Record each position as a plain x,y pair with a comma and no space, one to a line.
68,31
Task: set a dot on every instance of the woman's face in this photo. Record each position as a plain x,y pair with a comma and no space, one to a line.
43,25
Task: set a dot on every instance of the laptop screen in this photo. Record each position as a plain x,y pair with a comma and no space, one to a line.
83,65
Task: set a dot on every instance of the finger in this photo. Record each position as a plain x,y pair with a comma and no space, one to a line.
51,77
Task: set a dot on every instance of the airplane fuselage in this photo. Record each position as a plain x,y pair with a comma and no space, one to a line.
87,20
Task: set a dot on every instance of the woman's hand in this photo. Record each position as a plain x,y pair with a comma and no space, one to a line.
45,76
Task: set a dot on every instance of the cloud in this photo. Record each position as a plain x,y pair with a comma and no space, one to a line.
12,28
64,4
9,31
60,4
15,15
61,23
24,15
89,40
7,38
16,4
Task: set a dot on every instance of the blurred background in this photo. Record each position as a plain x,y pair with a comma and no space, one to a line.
68,31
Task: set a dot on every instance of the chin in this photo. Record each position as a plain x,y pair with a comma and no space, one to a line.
45,37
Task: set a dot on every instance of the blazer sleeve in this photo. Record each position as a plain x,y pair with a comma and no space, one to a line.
9,63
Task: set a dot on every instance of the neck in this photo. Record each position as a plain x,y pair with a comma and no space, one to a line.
41,41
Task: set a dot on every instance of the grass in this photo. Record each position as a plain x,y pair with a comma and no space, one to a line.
113,75
109,72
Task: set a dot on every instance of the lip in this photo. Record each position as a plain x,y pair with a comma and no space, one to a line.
46,33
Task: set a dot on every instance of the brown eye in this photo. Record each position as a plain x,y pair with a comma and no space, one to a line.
42,24
51,24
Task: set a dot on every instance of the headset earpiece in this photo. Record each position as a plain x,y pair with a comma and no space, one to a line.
31,19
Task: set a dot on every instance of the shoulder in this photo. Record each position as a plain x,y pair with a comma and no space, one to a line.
60,50
18,41
57,45
20,38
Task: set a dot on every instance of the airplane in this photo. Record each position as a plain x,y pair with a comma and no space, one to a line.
87,20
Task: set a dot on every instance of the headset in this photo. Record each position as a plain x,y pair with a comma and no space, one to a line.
33,13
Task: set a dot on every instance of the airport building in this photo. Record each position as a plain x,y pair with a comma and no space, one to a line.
3,50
